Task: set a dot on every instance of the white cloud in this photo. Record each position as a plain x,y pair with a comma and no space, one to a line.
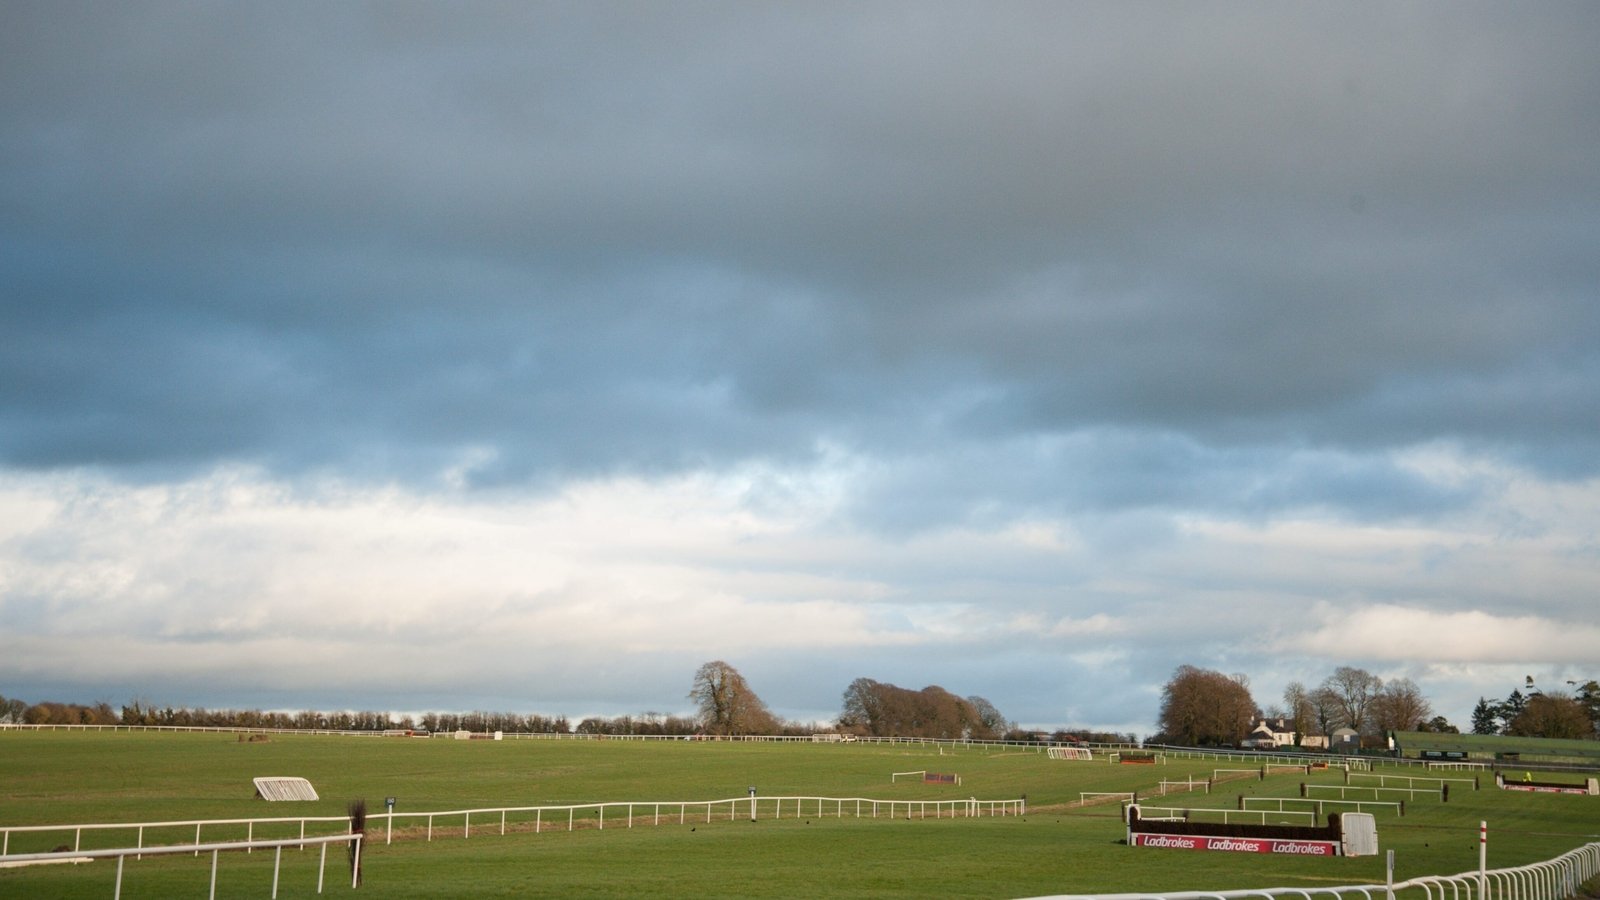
236,581
1410,635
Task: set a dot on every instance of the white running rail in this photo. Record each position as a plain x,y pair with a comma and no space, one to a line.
121,854
1553,879
563,817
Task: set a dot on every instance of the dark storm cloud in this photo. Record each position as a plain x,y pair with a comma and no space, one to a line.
574,239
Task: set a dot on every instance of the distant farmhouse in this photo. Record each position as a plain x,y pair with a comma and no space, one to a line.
1270,734
1276,732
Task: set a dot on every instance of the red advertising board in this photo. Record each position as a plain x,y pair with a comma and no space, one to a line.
1237,844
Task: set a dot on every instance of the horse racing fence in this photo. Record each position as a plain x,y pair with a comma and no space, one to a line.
566,817
1553,879
1410,781
1226,816
121,854
654,812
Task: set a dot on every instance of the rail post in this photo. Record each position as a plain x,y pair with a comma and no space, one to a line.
1483,860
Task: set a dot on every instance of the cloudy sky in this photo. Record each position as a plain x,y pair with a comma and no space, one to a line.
525,356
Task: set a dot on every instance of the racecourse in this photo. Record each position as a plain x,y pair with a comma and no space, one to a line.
1058,846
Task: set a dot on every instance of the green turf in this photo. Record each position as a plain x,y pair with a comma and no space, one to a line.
1491,746
56,777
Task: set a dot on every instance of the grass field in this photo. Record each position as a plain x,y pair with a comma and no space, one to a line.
68,777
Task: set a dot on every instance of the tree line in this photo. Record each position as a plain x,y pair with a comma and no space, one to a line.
1205,707
725,705
1555,714
14,710
880,709
728,705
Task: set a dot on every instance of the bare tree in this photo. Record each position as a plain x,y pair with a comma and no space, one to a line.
1299,710
863,706
1552,715
727,704
1354,690
1400,706
991,723
876,708
1201,706
1324,709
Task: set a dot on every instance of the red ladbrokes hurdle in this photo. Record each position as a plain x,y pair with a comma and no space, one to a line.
1346,834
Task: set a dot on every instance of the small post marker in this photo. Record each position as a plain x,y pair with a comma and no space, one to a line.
388,836
752,803
1483,858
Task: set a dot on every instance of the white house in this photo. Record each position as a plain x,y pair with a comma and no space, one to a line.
1269,734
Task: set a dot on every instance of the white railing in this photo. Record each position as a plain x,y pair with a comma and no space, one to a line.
1187,814
628,812
1091,798
1319,804
1436,792
121,854
654,812
1411,781
1185,786
1553,879
139,829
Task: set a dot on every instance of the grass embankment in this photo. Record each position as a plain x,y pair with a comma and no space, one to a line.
55,777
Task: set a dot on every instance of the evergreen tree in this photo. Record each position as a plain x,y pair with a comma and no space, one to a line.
1483,718
1510,709
1589,697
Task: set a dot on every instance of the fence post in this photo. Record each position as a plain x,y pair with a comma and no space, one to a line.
1483,860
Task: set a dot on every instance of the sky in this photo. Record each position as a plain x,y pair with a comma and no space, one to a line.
525,356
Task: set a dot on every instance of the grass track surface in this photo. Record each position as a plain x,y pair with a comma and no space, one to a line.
56,777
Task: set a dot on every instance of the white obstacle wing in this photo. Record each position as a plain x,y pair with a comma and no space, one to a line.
284,788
